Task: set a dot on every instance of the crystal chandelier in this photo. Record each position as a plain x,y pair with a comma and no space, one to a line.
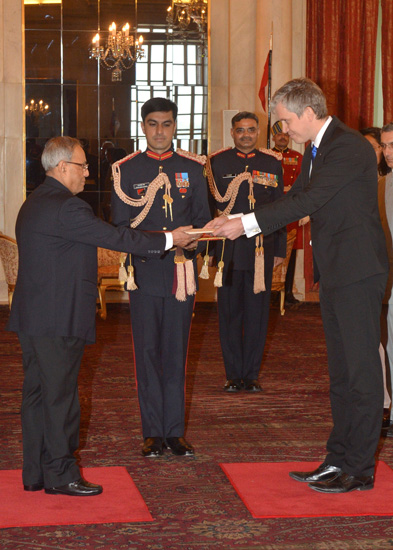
37,109
121,51
183,13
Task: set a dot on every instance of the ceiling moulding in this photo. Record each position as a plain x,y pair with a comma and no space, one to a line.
39,2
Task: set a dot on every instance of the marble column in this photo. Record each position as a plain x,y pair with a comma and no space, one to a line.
12,156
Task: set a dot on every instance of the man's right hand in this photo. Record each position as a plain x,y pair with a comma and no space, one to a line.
182,239
216,222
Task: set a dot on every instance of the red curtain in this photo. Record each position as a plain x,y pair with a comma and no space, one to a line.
340,56
387,60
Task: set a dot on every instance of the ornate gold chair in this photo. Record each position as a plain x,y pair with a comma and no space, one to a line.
107,276
280,271
9,260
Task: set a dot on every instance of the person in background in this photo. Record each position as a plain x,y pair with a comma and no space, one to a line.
373,135
291,165
387,150
243,312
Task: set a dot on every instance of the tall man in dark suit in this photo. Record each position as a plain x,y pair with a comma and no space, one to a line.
244,310
157,190
337,187
53,311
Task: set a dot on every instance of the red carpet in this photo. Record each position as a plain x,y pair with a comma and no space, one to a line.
268,492
120,502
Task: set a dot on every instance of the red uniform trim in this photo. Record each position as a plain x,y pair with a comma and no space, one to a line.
156,156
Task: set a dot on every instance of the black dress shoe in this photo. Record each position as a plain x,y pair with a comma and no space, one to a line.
79,488
322,473
232,386
34,487
344,483
153,447
179,446
252,385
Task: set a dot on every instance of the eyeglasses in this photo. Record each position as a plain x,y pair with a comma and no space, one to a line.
83,165
241,131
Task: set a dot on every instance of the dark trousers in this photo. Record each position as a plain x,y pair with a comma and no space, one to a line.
351,320
243,319
160,331
50,409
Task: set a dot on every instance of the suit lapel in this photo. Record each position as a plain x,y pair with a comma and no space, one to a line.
324,142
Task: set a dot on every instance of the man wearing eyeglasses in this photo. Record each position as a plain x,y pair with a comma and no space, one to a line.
53,311
243,309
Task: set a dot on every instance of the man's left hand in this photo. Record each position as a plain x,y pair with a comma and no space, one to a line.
277,261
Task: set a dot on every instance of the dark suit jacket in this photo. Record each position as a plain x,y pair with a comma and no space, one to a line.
341,198
58,235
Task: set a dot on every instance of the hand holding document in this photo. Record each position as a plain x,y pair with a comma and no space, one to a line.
225,228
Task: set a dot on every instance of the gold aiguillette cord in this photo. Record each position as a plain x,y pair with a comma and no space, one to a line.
167,198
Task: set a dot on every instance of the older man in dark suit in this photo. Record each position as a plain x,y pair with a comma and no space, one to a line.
53,311
337,187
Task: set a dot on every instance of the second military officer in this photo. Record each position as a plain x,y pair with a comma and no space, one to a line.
241,179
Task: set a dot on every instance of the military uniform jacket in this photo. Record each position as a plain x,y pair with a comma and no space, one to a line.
291,165
341,198
190,207
58,235
240,254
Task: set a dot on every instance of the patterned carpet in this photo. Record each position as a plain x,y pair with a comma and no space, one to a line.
193,504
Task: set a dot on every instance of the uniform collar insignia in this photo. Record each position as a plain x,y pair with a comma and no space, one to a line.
245,155
156,156
281,150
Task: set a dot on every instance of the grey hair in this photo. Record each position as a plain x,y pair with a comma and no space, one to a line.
299,93
57,149
387,128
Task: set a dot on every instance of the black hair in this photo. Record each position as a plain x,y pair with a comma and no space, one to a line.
375,132
242,115
158,104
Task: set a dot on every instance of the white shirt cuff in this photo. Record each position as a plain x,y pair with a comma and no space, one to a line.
169,241
250,224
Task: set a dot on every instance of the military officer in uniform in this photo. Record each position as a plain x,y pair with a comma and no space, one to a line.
291,164
156,190
241,179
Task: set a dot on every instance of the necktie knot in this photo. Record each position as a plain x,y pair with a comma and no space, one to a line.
314,152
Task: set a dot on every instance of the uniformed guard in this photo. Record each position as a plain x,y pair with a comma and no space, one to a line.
291,164
158,190
240,179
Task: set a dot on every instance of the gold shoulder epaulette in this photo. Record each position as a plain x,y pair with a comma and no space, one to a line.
124,159
219,151
271,152
192,156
